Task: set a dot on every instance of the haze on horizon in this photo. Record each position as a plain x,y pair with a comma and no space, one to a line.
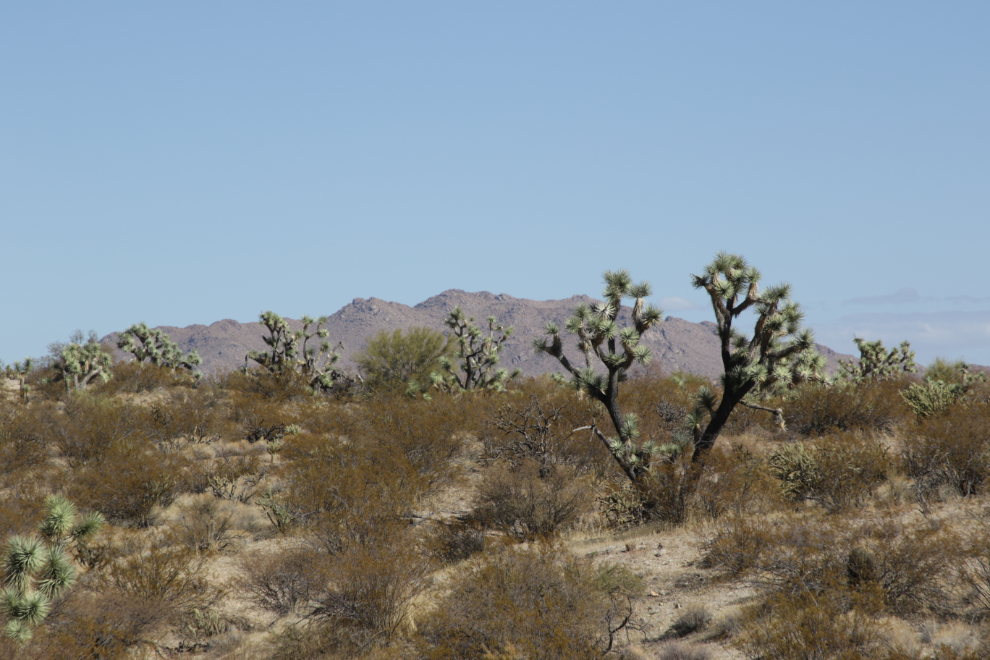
192,162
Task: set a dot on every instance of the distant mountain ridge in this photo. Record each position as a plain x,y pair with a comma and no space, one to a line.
679,345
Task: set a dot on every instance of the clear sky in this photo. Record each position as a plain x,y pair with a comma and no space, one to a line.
185,162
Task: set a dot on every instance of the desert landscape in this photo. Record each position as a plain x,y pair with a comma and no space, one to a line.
417,500
494,331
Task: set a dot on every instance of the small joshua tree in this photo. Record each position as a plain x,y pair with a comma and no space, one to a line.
599,338
80,364
38,570
877,363
17,372
778,355
291,351
477,353
157,347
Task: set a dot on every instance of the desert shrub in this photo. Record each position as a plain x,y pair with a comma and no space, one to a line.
538,423
45,385
86,427
521,502
816,409
913,568
425,433
392,361
953,449
882,562
665,495
836,471
737,543
144,589
679,651
734,480
451,542
234,476
534,604
22,449
809,626
283,581
661,401
346,493
691,620
279,386
106,624
187,416
168,574
371,589
976,571
541,428
134,377
208,524
129,480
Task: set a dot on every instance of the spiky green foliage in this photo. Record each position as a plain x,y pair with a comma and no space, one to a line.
36,571
476,354
156,347
290,350
944,384
601,341
877,363
778,355
930,398
79,364
17,372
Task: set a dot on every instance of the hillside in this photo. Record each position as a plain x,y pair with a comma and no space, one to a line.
678,344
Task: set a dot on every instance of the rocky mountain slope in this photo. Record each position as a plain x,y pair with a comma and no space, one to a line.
679,345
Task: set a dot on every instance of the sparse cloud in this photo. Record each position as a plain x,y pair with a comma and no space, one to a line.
969,300
902,297
678,304
951,334
908,295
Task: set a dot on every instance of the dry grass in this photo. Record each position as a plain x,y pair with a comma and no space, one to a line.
384,554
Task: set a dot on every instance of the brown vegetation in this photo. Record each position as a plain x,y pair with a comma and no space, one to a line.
248,517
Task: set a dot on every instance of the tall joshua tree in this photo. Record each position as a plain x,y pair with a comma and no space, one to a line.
292,351
876,363
602,341
79,364
478,354
779,352
157,347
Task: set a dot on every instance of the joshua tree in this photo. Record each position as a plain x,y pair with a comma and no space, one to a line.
477,353
599,338
79,364
18,371
39,570
291,351
156,347
876,363
779,354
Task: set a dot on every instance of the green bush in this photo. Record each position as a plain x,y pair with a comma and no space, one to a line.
392,361
930,398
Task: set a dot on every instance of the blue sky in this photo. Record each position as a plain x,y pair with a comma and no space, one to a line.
189,162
